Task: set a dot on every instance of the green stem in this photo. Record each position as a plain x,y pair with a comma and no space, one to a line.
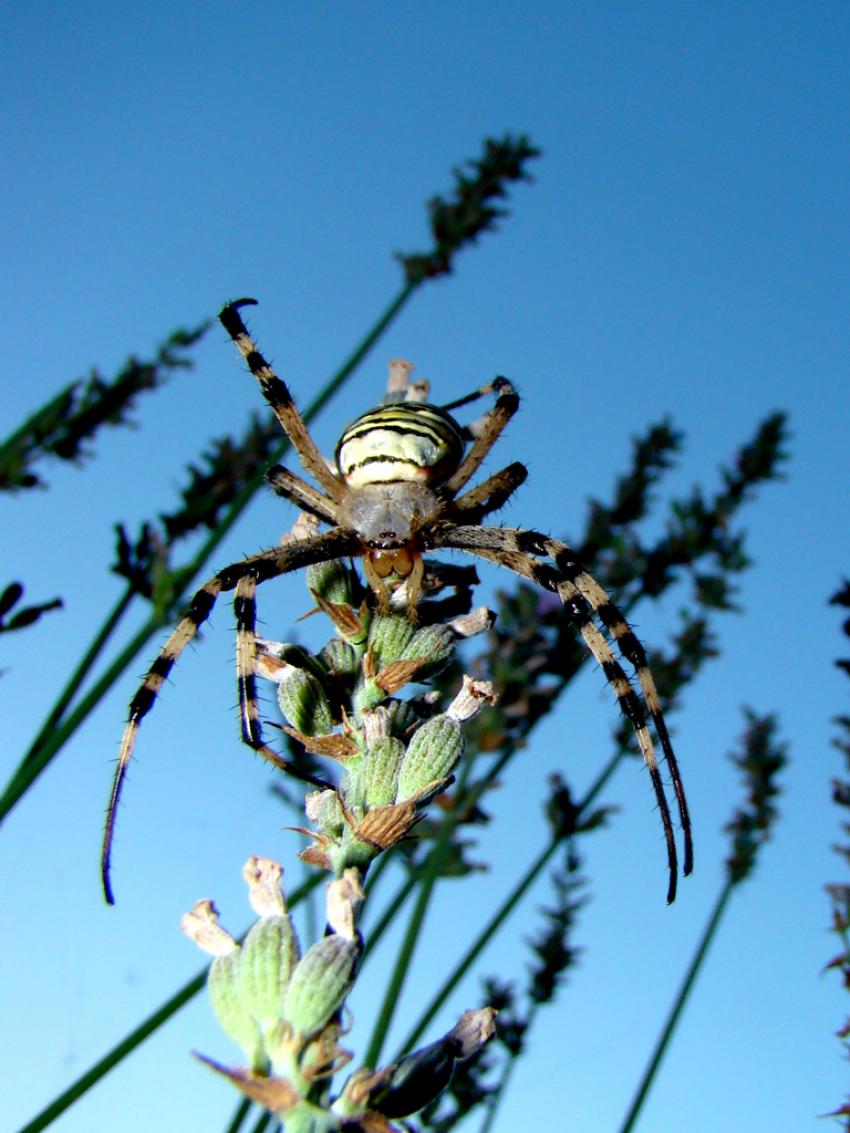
480,943
495,1099
79,674
263,1122
238,1119
40,755
119,1052
390,912
48,410
678,1007
505,909
28,772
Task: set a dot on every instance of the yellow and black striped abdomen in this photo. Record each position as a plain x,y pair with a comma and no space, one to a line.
407,441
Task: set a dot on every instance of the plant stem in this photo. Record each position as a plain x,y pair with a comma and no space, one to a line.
479,944
678,1006
506,908
114,1056
428,879
238,1119
31,424
79,674
29,771
389,913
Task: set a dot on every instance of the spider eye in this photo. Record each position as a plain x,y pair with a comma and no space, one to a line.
410,441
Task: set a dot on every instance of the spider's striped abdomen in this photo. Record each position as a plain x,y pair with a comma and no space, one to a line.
410,441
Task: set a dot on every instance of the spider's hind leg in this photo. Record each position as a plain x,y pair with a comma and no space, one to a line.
493,425
630,647
199,610
489,495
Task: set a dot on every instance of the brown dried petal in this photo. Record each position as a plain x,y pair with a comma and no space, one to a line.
276,1094
313,855
344,618
332,745
399,673
386,825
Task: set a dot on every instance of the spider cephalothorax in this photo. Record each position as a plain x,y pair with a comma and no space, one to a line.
395,493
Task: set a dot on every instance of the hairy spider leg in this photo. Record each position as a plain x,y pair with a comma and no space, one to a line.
493,425
268,564
277,394
245,609
490,494
291,487
630,647
513,549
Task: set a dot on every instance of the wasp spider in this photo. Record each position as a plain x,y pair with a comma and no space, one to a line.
397,491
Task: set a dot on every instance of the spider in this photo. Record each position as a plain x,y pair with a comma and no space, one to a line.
397,491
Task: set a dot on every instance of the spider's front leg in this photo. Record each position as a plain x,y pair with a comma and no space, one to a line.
277,394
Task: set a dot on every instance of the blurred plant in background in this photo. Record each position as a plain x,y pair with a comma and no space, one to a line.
839,893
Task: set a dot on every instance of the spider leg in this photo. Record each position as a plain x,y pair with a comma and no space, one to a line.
339,543
489,495
630,647
299,492
245,608
279,398
575,587
507,403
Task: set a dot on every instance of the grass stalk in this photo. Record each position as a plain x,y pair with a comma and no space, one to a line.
678,1006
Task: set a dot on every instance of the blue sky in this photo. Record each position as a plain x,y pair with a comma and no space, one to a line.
684,251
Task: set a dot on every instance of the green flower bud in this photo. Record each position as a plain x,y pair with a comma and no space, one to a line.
304,703
431,755
368,696
320,983
325,810
435,644
330,580
341,658
236,1021
378,773
389,634
268,956
402,716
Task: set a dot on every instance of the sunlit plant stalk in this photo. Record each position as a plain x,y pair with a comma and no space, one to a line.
761,760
